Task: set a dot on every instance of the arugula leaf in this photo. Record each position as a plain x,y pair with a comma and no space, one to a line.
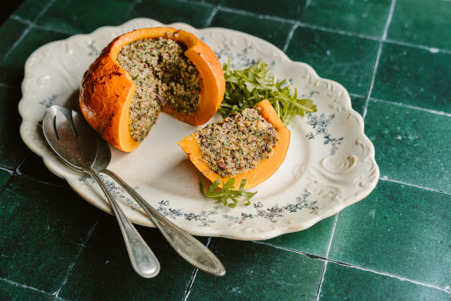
247,87
226,195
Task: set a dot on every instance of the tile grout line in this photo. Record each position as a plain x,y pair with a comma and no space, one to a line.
399,104
198,3
417,46
3,188
7,170
14,283
193,278
69,270
212,15
298,23
294,27
49,29
386,179
447,290
334,226
290,36
378,57
13,172
190,284
285,20
411,107
30,26
349,265
256,15
337,31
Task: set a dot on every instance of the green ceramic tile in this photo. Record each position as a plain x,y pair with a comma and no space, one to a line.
12,291
34,167
415,77
412,146
12,148
4,177
258,272
273,31
358,103
167,12
420,22
313,241
105,263
82,20
8,7
12,65
398,230
43,228
347,283
206,1
31,9
10,31
346,59
282,8
361,17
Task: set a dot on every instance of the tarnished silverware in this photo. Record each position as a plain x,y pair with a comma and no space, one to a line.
77,147
92,155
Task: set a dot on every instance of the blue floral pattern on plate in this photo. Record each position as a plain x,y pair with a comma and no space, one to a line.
330,163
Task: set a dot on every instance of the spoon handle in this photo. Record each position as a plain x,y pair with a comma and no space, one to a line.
141,256
184,243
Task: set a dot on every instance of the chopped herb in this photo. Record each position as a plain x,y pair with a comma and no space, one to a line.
247,87
226,195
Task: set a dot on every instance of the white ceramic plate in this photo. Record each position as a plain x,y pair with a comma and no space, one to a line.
329,166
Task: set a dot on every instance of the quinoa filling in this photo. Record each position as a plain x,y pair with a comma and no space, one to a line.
238,143
163,76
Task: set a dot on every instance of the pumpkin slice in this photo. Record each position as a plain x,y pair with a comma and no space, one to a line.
263,169
107,88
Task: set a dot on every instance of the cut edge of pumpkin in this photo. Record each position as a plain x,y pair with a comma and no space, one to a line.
264,169
211,77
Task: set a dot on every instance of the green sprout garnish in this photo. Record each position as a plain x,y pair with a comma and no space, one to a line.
226,195
247,87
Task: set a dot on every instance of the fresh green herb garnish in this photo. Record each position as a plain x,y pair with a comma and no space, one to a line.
247,87
226,195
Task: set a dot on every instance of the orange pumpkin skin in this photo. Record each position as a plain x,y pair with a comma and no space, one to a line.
107,89
265,168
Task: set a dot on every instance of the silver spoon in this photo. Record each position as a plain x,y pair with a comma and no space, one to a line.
77,147
185,244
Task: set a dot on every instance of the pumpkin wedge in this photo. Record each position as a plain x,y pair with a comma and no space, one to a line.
107,89
263,169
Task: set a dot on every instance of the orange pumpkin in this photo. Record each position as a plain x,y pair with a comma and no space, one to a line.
107,89
264,168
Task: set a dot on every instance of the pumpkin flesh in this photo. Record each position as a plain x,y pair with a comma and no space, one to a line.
263,170
107,89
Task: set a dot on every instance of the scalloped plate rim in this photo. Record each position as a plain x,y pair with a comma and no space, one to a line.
59,169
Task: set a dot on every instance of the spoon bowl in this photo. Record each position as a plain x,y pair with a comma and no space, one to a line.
77,145
81,147
73,145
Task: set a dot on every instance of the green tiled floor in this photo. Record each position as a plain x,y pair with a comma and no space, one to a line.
393,56
344,58
402,236
273,31
422,138
352,16
414,76
420,22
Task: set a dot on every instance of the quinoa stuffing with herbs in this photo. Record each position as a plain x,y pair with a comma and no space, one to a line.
163,76
237,143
